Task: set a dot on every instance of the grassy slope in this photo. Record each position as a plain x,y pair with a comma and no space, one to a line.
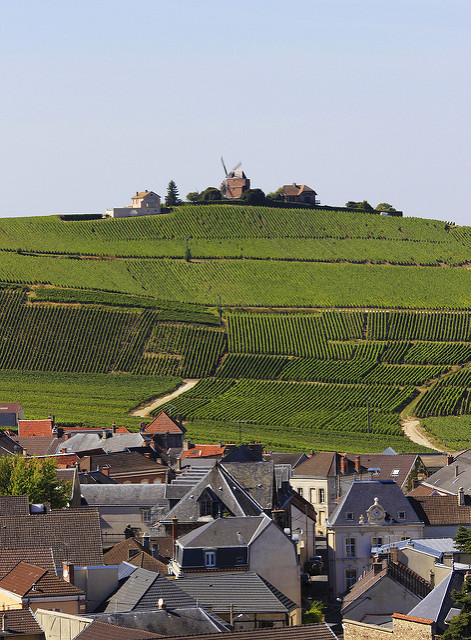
218,232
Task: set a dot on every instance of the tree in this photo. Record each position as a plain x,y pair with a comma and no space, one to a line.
193,196
460,626
211,193
253,196
364,205
463,539
173,197
314,614
37,479
385,206
275,195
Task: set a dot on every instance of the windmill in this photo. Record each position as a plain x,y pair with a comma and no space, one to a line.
235,182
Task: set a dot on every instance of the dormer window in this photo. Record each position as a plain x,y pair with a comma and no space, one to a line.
206,507
209,558
349,515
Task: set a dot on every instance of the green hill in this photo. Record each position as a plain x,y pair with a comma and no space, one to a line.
333,322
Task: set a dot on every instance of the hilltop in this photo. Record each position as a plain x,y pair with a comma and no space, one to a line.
306,326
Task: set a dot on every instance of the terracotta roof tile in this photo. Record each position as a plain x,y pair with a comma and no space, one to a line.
36,582
203,451
30,428
10,407
21,621
39,556
103,631
320,464
163,423
403,616
438,510
318,631
14,505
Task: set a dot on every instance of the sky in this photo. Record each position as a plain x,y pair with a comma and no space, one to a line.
359,99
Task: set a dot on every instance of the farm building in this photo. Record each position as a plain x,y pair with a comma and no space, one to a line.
144,203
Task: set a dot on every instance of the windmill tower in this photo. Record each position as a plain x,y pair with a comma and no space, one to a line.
235,181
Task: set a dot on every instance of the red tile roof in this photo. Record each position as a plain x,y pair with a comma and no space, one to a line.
36,582
440,510
28,428
39,556
163,423
203,451
403,616
10,407
21,621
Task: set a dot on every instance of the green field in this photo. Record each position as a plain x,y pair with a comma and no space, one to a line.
332,323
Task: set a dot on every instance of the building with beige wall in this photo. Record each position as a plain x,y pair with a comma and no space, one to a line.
144,203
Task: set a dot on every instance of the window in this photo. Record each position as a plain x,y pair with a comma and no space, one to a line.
206,507
402,515
312,496
376,542
349,515
350,548
395,472
350,578
209,558
146,515
321,495
300,491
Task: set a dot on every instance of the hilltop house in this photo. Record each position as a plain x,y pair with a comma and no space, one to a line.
298,193
144,203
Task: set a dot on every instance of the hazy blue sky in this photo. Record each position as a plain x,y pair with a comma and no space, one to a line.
357,99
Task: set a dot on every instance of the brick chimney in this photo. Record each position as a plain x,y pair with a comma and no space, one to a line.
449,459
68,572
113,427
357,464
377,566
393,550
343,463
105,470
461,497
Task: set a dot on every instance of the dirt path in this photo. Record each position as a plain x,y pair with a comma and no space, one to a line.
145,411
413,431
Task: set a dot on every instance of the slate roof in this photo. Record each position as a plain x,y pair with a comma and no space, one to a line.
163,423
34,428
441,510
245,591
94,441
8,445
95,477
226,532
360,497
143,589
292,459
21,621
227,490
453,476
145,495
73,534
257,478
318,631
178,620
35,582
103,631
435,547
438,603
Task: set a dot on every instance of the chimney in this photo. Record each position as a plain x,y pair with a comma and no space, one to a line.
68,572
377,566
456,471
174,531
415,483
432,578
461,497
162,604
103,434
343,463
357,464
394,553
449,459
278,517
186,444
64,450
4,623
65,436
105,470
113,427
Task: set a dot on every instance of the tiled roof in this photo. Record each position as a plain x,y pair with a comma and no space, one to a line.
30,428
245,591
104,631
318,631
163,423
440,510
120,551
320,464
295,189
203,451
40,445
36,582
145,495
10,407
39,556
14,505
120,461
21,621
73,534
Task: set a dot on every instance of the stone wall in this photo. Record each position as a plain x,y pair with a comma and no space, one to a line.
404,628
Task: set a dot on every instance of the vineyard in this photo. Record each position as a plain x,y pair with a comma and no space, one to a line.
309,327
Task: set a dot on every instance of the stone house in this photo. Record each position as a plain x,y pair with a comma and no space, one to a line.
298,193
